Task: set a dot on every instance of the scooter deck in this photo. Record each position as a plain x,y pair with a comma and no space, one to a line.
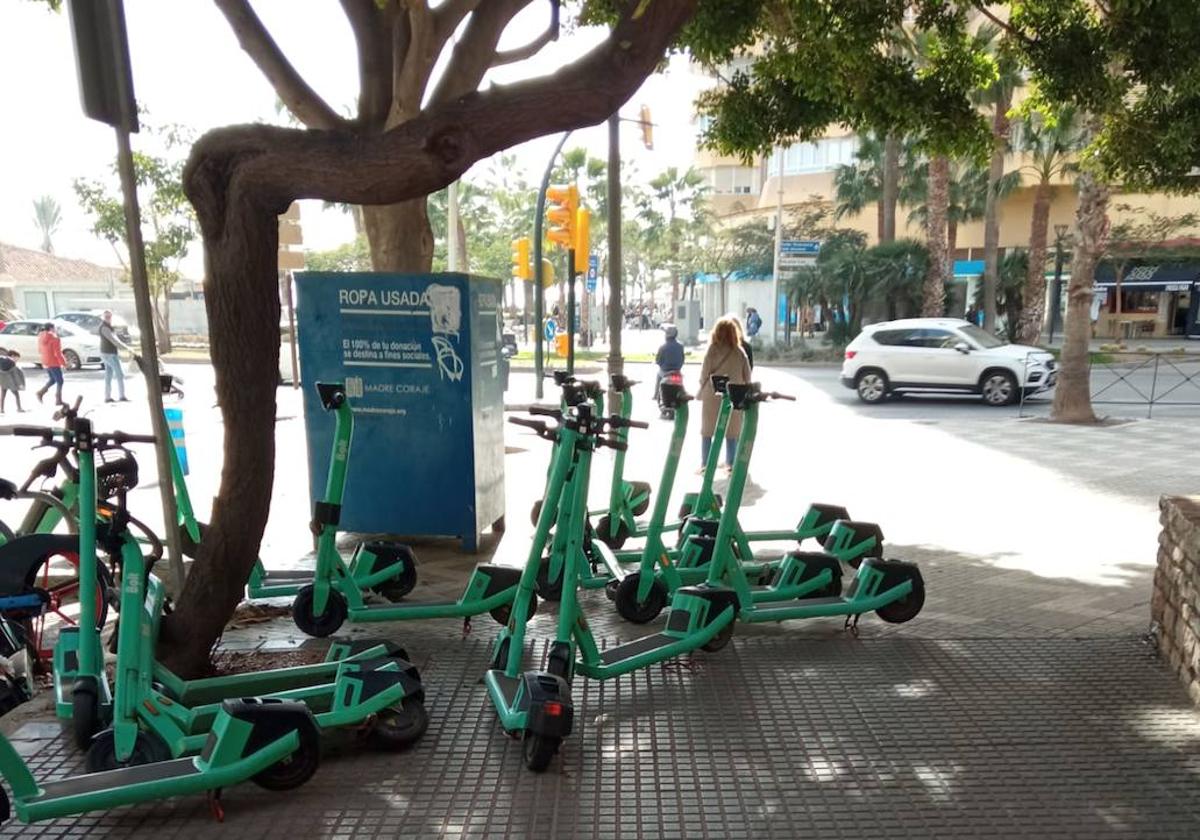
160,771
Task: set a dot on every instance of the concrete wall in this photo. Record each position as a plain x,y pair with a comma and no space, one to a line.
1175,603
738,296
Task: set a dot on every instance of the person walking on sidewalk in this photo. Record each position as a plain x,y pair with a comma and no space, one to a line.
109,345
51,354
724,358
12,378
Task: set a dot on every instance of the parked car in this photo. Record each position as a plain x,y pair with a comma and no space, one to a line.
78,345
90,320
943,355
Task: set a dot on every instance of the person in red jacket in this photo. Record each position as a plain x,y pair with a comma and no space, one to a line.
50,351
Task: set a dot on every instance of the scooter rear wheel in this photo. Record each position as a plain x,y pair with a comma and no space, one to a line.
907,608
539,750
102,754
550,590
628,605
399,727
294,770
536,511
325,624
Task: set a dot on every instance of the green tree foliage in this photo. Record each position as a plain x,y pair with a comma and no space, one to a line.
748,249
351,256
168,223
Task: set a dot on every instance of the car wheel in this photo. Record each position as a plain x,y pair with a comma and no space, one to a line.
998,388
73,361
871,386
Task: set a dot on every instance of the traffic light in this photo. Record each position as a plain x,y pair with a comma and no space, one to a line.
547,273
520,256
647,127
582,219
564,201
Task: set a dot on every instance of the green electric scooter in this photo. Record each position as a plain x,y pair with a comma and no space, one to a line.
626,499
380,697
272,743
333,597
893,589
538,704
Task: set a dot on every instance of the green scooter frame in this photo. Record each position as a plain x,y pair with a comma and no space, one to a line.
538,703
626,499
335,593
81,688
893,589
381,696
272,743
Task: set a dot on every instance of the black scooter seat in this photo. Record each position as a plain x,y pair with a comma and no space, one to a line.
121,777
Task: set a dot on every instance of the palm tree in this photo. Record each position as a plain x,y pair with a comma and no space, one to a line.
997,98
861,183
1051,141
669,232
47,216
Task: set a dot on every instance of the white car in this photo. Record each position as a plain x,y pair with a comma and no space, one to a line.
79,346
943,355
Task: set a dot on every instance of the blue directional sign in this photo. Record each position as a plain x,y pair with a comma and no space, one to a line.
593,270
800,247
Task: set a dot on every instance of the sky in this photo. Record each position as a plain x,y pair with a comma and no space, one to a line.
188,69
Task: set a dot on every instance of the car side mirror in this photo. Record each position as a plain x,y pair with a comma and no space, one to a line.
963,347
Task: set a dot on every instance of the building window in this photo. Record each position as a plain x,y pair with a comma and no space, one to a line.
1136,301
818,156
733,180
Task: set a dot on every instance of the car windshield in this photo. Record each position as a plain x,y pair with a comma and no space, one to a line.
982,337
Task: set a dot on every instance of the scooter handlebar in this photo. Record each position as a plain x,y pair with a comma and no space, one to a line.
546,411
122,438
618,422
28,431
775,395
612,443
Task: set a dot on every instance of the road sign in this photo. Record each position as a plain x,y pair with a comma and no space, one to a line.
794,261
593,270
799,247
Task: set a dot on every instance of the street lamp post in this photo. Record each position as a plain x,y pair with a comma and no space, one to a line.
1060,233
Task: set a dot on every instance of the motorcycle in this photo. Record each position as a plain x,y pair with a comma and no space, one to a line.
667,377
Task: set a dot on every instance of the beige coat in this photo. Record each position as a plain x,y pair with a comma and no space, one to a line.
721,361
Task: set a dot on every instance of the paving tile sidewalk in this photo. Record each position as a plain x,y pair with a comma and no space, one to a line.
1023,701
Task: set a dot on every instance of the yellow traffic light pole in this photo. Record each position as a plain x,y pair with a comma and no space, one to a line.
539,294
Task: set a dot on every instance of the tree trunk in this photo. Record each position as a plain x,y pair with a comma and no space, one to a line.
162,323
934,293
243,314
1034,294
991,212
890,187
240,178
880,220
400,237
1072,396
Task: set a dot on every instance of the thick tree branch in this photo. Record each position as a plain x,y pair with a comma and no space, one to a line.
450,14
476,50
257,43
1004,26
423,154
370,26
528,50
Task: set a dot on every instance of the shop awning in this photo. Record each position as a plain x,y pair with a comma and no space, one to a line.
1149,277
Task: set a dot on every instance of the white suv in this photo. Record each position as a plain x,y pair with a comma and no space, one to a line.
943,355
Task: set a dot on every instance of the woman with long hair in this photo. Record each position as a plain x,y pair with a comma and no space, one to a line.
724,357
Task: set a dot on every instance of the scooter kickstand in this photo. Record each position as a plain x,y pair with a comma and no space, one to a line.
214,805
466,626
851,624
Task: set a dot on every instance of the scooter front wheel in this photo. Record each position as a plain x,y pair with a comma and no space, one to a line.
325,624
539,750
720,640
399,727
85,711
503,613
102,754
627,602
613,538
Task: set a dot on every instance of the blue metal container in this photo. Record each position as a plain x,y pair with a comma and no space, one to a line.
420,357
